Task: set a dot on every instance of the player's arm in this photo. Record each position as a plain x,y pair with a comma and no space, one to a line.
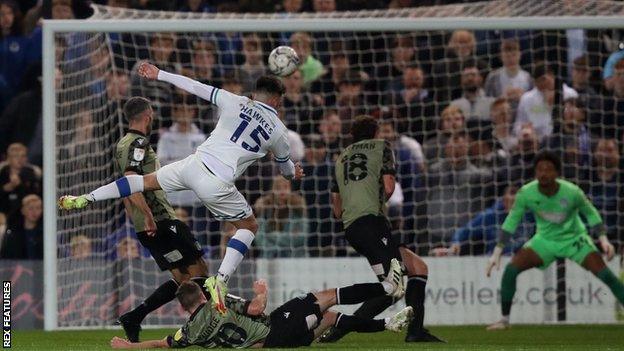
253,308
512,221
204,91
509,227
596,226
388,170
259,302
119,343
336,199
132,163
337,205
281,155
138,200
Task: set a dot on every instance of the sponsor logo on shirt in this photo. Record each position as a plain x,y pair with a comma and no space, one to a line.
555,217
139,154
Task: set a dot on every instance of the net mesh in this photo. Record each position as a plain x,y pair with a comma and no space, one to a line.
460,149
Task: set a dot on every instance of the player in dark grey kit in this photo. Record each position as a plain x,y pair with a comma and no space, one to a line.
364,181
168,240
296,323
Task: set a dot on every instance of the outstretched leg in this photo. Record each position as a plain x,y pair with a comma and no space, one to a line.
122,187
524,259
595,264
357,293
363,325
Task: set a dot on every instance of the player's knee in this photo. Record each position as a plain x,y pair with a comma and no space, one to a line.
413,263
329,318
594,263
253,226
250,224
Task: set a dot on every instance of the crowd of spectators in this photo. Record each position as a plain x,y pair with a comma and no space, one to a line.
465,112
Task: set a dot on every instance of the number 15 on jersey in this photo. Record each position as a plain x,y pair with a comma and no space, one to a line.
255,134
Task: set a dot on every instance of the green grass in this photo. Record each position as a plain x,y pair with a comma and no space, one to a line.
550,337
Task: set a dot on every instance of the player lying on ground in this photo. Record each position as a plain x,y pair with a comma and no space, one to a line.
247,130
296,323
168,240
560,233
364,181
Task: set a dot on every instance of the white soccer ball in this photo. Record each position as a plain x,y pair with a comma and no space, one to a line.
283,61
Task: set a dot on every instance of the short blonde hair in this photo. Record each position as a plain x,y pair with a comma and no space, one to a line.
15,147
28,199
450,110
77,240
499,101
462,34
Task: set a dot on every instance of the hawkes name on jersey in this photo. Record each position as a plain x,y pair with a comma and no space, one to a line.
249,112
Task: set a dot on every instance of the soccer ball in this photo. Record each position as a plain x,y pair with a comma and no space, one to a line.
283,61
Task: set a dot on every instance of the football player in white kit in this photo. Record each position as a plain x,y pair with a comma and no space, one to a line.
246,130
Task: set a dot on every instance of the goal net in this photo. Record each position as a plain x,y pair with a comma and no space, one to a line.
465,111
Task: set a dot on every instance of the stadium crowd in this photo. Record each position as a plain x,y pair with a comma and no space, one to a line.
465,111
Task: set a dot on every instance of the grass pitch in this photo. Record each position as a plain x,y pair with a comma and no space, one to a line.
542,337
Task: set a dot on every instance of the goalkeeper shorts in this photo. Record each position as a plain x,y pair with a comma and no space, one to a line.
575,249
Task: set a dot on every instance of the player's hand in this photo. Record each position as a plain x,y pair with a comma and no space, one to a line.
119,343
607,247
298,171
150,225
454,249
260,287
14,178
494,261
148,71
259,302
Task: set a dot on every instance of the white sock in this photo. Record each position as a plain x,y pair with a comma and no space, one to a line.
505,319
122,187
388,288
236,249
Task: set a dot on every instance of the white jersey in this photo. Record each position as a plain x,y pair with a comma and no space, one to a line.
246,130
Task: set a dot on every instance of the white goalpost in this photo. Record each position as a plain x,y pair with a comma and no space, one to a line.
120,281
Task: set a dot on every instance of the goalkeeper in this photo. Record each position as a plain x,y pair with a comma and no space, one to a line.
296,323
560,233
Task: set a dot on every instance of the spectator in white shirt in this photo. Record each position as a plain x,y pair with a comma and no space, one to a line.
177,142
509,81
473,103
535,105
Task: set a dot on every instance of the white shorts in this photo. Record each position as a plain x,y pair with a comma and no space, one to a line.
224,201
